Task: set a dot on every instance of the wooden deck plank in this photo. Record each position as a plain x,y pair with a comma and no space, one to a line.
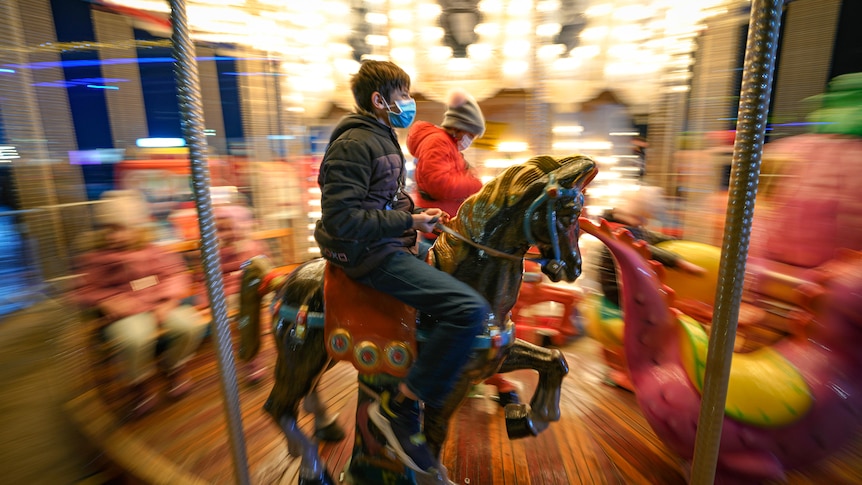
497,453
601,438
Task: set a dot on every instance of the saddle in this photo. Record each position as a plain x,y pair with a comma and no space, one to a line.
372,330
376,332
772,306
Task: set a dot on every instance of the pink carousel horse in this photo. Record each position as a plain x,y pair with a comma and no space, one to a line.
798,400
789,404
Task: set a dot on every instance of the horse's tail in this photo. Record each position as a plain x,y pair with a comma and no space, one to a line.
254,285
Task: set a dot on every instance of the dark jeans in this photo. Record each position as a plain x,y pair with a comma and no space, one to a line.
461,312
424,247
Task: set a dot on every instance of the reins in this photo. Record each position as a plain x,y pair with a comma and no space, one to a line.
488,250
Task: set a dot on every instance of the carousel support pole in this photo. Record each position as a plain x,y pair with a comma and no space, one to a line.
758,68
191,111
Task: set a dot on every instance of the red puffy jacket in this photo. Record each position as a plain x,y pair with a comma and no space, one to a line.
443,177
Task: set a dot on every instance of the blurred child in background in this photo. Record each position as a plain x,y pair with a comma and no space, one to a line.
236,246
445,179
443,176
634,213
138,288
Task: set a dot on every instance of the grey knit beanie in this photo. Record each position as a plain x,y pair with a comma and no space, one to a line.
463,113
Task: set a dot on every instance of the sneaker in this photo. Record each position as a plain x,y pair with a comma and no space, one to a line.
399,421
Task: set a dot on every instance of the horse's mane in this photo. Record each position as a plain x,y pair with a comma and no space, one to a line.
500,194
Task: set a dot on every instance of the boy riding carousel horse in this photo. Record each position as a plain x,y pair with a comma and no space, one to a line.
369,228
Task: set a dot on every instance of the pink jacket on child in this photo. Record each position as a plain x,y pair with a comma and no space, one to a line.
140,280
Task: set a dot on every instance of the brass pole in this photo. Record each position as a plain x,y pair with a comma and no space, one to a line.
760,50
192,120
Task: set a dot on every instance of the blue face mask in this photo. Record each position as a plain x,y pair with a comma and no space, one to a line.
406,114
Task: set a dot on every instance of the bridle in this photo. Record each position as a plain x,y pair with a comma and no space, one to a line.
552,192
549,196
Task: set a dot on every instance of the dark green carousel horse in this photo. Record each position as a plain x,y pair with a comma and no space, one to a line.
535,204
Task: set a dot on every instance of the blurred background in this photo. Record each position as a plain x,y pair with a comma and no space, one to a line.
89,100
650,88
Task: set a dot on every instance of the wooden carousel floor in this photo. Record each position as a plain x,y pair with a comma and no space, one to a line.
601,438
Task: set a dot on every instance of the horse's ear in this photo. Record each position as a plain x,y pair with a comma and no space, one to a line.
576,171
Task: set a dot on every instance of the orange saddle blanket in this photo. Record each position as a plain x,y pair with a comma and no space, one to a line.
372,330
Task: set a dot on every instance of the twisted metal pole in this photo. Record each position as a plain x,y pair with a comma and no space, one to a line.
192,120
760,50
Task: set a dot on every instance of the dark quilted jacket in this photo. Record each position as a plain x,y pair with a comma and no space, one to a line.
363,201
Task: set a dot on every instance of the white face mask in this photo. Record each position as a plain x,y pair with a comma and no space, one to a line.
464,143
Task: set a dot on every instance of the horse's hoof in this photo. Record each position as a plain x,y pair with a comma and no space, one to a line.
326,479
332,432
519,424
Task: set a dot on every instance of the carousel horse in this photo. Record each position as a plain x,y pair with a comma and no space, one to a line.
692,294
537,203
788,405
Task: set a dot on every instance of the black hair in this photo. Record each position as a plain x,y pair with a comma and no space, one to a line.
382,76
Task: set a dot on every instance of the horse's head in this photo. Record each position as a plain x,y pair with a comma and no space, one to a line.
551,222
535,204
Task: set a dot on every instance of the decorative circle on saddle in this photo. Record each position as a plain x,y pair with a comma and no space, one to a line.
398,355
366,356
340,342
